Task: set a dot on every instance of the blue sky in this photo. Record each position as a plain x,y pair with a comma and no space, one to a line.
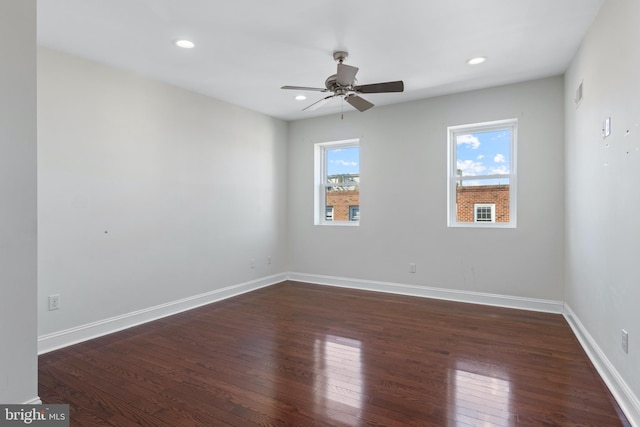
483,153
343,160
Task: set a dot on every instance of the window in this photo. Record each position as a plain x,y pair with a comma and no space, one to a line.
354,213
328,213
482,174
337,183
484,212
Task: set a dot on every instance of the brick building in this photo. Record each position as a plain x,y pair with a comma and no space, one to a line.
343,205
343,198
482,203
486,203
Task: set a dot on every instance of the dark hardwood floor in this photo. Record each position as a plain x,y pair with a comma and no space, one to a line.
295,354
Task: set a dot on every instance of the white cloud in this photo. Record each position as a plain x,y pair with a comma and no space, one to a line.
499,170
343,163
469,140
480,157
470,168
499,158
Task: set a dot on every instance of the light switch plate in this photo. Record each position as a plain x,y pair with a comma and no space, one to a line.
606,127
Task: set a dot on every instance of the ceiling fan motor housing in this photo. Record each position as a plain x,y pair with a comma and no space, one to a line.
332,85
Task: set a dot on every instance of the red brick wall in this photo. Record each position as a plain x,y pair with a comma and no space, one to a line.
468,196
341,200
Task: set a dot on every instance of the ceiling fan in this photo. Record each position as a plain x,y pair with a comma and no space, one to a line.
343,84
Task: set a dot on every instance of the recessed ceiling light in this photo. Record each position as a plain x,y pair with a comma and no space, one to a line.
185,44
300,97
477,60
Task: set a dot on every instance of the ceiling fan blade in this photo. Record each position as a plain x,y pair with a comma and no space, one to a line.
359,103
381,87
318,104
316,89
346,74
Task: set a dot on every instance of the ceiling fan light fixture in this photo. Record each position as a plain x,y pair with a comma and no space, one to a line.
477,60
184,43
300,97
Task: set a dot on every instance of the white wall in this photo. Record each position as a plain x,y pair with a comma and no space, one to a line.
404,195
18,361
602,195
149,193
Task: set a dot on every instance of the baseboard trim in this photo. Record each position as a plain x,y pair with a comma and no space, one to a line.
61,339
621,392
532,304
34,401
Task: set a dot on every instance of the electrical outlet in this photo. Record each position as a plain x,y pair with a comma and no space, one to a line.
625,341
268,260
252,263
412,267
54,302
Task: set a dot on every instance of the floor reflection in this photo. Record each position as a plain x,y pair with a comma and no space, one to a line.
479,395
338,389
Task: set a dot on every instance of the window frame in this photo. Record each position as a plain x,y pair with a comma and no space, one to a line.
453,178
321,184
491,206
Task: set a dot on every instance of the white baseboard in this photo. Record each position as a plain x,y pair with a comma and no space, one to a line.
627,400
60,339
548,306
34,401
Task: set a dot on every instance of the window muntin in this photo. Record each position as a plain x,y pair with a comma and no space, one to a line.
482,172
485,212
337,183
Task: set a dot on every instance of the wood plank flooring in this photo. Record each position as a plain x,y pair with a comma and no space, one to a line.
295,354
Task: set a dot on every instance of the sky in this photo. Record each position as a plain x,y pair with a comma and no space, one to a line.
483,153
343,161
477,154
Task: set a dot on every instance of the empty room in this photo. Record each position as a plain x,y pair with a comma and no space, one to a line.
337,213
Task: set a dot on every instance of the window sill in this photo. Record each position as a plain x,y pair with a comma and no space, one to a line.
482,225
340,223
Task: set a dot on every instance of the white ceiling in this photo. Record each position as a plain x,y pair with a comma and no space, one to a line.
247,49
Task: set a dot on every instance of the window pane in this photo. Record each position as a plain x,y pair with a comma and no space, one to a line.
343,165
341,183
483,153
337,179
482,172
473,196
341,198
